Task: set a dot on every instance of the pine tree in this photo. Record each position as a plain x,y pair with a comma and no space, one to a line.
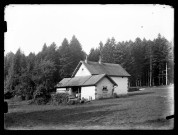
94,55
76,52
43,76
7,63
107,52
65,59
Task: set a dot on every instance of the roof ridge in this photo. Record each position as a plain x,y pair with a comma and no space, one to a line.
105,68
112,64
102,63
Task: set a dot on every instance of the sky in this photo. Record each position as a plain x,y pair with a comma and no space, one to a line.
30,26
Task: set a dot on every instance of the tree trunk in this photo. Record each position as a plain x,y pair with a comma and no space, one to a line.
140,82
153,83
150,71
150,67
148,78
136,83
166,73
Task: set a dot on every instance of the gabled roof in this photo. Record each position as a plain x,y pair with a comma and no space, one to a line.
62,82
82,81
96,68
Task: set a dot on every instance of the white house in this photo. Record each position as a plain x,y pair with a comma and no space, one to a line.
89,87
94,80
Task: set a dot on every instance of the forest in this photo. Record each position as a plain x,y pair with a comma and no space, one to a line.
149,62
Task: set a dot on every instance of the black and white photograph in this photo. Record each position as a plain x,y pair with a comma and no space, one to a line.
89,67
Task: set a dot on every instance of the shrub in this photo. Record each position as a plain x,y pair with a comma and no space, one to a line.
75,101
23,97
17,98
59,98
32,101
40,96
28,97
40,101
71,102
8,95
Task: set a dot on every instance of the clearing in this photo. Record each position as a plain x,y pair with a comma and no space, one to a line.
145,109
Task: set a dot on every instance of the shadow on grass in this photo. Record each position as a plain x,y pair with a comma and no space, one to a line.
55,117
157,122
141,93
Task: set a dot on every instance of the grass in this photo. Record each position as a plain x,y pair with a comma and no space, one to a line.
139,110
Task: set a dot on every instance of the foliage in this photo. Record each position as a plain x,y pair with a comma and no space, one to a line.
107,52
77,53
33,75
94,54
60,98
65,59
145,60
36,75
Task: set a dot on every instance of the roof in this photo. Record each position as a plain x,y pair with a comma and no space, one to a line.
96,68
90,80
63,81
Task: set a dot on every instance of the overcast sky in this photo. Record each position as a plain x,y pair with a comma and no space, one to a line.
30,26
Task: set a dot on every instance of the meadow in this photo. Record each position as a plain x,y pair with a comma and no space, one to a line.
145,109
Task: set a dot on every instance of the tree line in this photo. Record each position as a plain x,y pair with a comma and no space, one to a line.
37,74
148,62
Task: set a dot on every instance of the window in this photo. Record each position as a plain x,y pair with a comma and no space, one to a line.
105,88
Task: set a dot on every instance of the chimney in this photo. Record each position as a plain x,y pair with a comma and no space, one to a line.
99,59
86,60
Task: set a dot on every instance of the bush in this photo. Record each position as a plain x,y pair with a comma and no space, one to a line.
17,98
59,98
8,95
32,101
40,96
75,101
23,97
71,102
28,97
40,101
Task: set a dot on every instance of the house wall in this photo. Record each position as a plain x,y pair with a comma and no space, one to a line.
87,92
122,87
64,90
60,90
83,71
99,89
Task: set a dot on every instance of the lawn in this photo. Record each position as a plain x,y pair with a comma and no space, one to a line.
145,109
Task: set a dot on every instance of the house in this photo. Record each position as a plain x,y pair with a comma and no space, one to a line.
95,80
89,87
